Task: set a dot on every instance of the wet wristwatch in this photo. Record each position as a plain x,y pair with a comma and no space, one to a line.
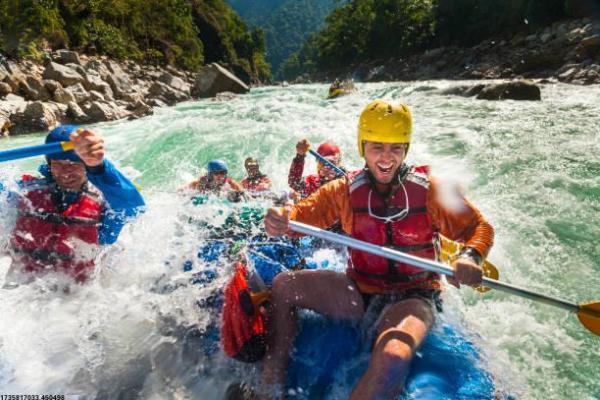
471,253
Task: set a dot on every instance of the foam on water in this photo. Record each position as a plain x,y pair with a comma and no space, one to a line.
533,168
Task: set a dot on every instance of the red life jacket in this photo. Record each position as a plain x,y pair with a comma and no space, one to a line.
413,234
255,184
45,238
311,184
243,332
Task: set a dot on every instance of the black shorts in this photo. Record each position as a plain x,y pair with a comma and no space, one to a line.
377,302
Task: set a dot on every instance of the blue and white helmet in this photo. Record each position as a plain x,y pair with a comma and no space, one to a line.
216,166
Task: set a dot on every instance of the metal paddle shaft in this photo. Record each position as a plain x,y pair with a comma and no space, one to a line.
32,151
325,161
425,264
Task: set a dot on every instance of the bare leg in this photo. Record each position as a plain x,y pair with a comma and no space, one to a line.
326,292
402,329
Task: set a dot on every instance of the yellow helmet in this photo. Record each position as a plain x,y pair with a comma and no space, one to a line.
384,122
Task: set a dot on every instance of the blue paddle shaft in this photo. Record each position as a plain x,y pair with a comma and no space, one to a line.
31,151
325,161
428,265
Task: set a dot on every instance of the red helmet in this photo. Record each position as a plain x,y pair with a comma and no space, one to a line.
327,149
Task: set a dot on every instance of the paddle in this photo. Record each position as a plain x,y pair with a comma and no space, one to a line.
325,161
588,313
32,151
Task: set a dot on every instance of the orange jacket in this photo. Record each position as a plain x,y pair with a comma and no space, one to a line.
459,221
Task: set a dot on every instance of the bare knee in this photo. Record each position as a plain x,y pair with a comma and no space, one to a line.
393,358
285,289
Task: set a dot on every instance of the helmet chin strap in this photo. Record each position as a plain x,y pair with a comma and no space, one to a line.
399,176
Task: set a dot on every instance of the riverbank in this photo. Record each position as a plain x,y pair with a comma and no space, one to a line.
68,87
567,51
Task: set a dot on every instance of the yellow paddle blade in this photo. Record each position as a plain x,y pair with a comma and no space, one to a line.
589,316
449,251
137,186
66,146
489,271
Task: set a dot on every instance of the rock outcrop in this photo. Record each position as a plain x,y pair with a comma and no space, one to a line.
513,90
74,88
567,51
214,79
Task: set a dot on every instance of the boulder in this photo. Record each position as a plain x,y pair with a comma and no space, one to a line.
14,76
59,110
139,110
68,57
4,89
99,111
78,92
34,89
3,72
174,82
12,104
63,96
78,68
98,67
515,90
166,93
63,74
35,117
96,96
174,71
118,80
51,85
156,102
13,69
567,75
591,41
213,79
131,97
94,82
546,37
76,114
5,125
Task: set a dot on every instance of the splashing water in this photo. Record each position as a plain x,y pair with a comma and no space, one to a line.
533,168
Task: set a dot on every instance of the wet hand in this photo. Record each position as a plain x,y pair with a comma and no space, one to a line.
466,272
88,146
277,221
302,147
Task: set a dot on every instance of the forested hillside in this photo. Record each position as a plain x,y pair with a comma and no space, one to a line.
365,30
286,23
185,33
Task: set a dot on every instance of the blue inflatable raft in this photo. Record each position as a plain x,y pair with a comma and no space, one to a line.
330,356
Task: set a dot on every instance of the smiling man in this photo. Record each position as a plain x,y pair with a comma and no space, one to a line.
80,202
387,203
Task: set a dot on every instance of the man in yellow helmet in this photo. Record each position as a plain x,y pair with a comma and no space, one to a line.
387,203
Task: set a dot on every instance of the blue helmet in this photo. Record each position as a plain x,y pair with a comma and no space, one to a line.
61,134
216,166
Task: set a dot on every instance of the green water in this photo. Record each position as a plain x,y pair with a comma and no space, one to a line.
533,168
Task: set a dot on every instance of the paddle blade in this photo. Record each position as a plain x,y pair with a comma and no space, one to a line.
589,316
489,271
